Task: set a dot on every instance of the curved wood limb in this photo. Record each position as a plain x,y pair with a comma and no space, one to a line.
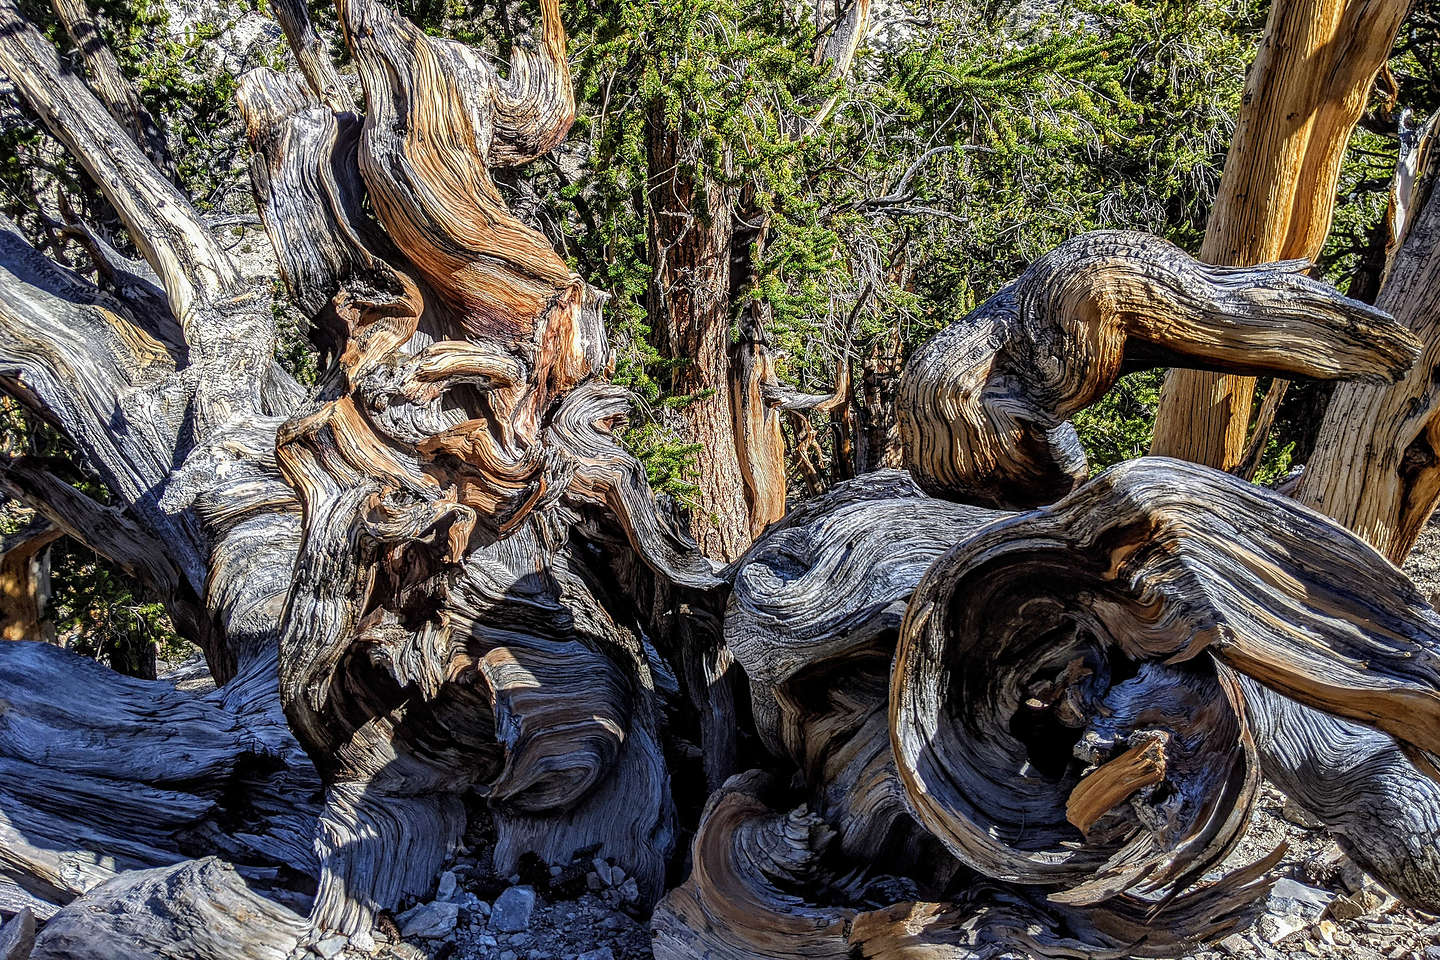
983,404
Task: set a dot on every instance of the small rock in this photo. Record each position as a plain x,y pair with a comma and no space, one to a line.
1325,930
593,881
556,870
519,939
1276,928
509,955
1290,897
446,888
330,947
1300,817
629,890
481,907
512,910
1346,908
602,870
429,920
1235,945
600,953
486,940
1354,879
17,936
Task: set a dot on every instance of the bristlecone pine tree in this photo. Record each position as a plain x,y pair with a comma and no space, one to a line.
1032,706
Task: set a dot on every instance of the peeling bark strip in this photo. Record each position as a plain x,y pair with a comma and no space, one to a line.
984,404
1305,92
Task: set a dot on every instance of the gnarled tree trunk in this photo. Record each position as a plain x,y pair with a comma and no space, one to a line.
443,576
1376,463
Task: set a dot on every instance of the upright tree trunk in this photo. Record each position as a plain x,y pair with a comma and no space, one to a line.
691,229
1376,463
702,268
1306,91
25,582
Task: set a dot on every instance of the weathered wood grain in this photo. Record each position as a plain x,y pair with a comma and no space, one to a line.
1050,643
200,910
984,404
1375,467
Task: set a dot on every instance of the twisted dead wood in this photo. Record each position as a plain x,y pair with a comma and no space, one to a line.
762,886
813,620
449,626
456,580
1053,643
1065,712
984,404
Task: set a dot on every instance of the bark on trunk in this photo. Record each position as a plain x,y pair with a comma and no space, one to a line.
1304,94
25,582
1376,463
690,235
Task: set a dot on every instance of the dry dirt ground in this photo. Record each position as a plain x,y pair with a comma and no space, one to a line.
1322,905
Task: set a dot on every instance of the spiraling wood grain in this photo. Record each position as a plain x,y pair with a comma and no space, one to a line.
1050,643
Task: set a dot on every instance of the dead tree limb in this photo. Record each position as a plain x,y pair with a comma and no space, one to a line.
984,404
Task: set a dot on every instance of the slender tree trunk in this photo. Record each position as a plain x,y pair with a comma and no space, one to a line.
110,85
691,229
1304,95
25,583
878,443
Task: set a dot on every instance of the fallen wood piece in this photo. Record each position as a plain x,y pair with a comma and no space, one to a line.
199,910
984,404
101,773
